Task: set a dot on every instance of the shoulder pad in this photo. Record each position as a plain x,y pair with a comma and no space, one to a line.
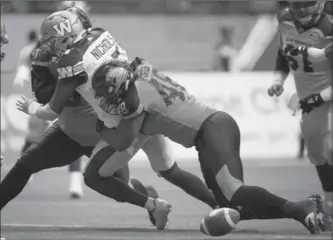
284,16
326,25
70,57
70,63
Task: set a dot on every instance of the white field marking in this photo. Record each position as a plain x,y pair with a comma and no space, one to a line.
231,236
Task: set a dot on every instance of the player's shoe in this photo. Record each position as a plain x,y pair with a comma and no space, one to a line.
307,212
147,190
324,221
161,213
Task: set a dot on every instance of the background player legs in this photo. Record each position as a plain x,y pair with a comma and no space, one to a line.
75,179
219,148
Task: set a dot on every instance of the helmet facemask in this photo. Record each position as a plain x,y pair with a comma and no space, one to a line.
61,30
111,82
307,13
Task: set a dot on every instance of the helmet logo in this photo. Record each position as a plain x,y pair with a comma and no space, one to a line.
63,27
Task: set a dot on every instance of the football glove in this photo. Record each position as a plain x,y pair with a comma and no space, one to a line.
276,89
311,102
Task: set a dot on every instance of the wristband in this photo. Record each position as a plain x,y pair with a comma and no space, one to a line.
33,107
326,94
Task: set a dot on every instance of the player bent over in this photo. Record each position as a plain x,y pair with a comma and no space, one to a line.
306,51
85,59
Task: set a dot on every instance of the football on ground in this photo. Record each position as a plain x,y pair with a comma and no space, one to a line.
220,222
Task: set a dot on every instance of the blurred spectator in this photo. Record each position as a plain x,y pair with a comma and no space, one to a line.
23,69
225,52
79,4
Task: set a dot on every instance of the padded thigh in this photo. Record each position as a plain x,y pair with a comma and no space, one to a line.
54,150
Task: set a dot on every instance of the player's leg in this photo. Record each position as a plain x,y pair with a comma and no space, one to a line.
316,128
54,150
100,174
219,147
75,179
159,154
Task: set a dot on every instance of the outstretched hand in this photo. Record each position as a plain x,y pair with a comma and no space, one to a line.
23,104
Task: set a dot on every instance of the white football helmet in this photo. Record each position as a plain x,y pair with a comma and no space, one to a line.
60,30
307,13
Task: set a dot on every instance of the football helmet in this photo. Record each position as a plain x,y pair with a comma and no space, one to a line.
61,30
83,16
306,13
111,80
4,39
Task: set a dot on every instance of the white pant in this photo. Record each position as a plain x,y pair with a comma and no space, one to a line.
156,148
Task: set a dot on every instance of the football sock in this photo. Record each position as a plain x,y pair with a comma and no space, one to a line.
116,186
116,189
247,213
12,184
260,199
190,183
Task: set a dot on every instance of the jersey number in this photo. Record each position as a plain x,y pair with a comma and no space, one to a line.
168,89
291,54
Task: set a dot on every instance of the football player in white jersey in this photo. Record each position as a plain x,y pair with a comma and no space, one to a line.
95,49
306,51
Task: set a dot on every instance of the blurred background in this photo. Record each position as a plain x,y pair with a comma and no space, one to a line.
222,51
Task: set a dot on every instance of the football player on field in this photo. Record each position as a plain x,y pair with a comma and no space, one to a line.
71,136
156,147
134,98
303,28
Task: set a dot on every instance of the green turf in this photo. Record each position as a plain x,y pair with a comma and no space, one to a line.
44,211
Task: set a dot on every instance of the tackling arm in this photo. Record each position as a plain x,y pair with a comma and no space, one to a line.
281,66
316,54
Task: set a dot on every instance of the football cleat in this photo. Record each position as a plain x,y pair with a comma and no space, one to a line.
161,213
147,190
324,220
307,210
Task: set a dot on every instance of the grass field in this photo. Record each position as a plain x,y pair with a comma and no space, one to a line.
44,211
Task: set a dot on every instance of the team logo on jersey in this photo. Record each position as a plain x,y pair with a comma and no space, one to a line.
65,72
63,27
118,108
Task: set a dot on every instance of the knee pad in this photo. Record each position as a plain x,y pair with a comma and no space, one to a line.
168,173
328,151
228,184
328,203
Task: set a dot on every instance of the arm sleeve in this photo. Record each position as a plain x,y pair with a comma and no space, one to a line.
43,83
281,64
64,91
